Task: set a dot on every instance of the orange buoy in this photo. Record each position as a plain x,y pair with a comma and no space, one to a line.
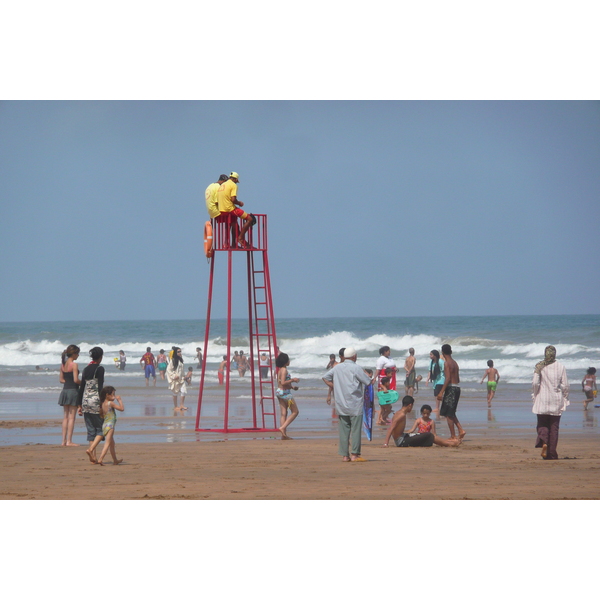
208,240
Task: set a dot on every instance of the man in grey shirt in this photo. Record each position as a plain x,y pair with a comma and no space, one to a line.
347,380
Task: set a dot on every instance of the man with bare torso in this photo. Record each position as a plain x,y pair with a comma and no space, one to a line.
450,393
409,367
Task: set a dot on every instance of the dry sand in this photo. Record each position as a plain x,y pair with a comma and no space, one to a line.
490,468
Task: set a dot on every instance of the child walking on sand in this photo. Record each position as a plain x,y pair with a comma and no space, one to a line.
284,395
188,376
386,398
109,403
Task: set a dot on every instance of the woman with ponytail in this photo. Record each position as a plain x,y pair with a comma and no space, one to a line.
69,377
436,375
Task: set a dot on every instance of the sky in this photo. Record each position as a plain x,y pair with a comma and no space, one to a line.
375,208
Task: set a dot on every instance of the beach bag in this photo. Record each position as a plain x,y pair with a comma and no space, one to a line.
91,396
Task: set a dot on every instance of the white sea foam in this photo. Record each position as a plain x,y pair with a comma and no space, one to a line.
310,355
28,390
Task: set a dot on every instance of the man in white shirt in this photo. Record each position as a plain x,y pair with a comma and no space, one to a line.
346,381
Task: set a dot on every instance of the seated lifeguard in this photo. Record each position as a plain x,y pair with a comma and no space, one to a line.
227,200
212,205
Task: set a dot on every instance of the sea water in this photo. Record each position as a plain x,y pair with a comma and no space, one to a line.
30,358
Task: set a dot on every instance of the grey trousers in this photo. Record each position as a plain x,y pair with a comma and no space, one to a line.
350,430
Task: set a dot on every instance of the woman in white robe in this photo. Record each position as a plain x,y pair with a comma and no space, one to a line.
176,379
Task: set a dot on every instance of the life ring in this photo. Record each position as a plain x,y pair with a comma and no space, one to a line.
208,240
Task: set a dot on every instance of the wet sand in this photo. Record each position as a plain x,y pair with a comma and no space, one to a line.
165,458
488,468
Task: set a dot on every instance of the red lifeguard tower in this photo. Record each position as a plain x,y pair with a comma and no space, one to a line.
261,325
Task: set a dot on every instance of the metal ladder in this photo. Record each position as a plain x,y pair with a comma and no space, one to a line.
262,334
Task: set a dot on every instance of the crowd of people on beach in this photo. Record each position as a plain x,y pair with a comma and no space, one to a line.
346,382
85,395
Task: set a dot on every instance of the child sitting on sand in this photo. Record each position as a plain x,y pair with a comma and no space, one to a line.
386,398
425,424
284,395
109,402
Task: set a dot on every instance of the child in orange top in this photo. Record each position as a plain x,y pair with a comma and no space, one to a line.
425,424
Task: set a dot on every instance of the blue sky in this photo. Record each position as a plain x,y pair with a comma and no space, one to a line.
382,208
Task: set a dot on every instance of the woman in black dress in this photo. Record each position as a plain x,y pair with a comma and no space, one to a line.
69,377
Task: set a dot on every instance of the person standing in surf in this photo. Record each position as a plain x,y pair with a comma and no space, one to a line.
69,377
588,385
284,395
550,399
450,393
411,375
492,383
161,361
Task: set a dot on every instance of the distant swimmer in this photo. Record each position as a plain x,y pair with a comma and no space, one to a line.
199,357
493,379
210,194
148,363
264,364
227,200
332,362
242,363
425,437
122,360
588,385
450,393
161,361
411,376
221,371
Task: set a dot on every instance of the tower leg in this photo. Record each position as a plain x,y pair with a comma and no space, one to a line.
228,372
250,261
206,338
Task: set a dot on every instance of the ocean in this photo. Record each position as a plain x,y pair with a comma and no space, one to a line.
514,343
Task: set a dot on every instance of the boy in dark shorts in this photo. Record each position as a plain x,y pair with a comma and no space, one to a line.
450,393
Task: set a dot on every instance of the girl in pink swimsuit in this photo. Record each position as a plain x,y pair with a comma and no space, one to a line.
425,424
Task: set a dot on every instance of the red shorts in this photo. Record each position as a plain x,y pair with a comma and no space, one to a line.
238,212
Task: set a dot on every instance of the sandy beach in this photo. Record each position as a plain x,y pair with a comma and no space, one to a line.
491,467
